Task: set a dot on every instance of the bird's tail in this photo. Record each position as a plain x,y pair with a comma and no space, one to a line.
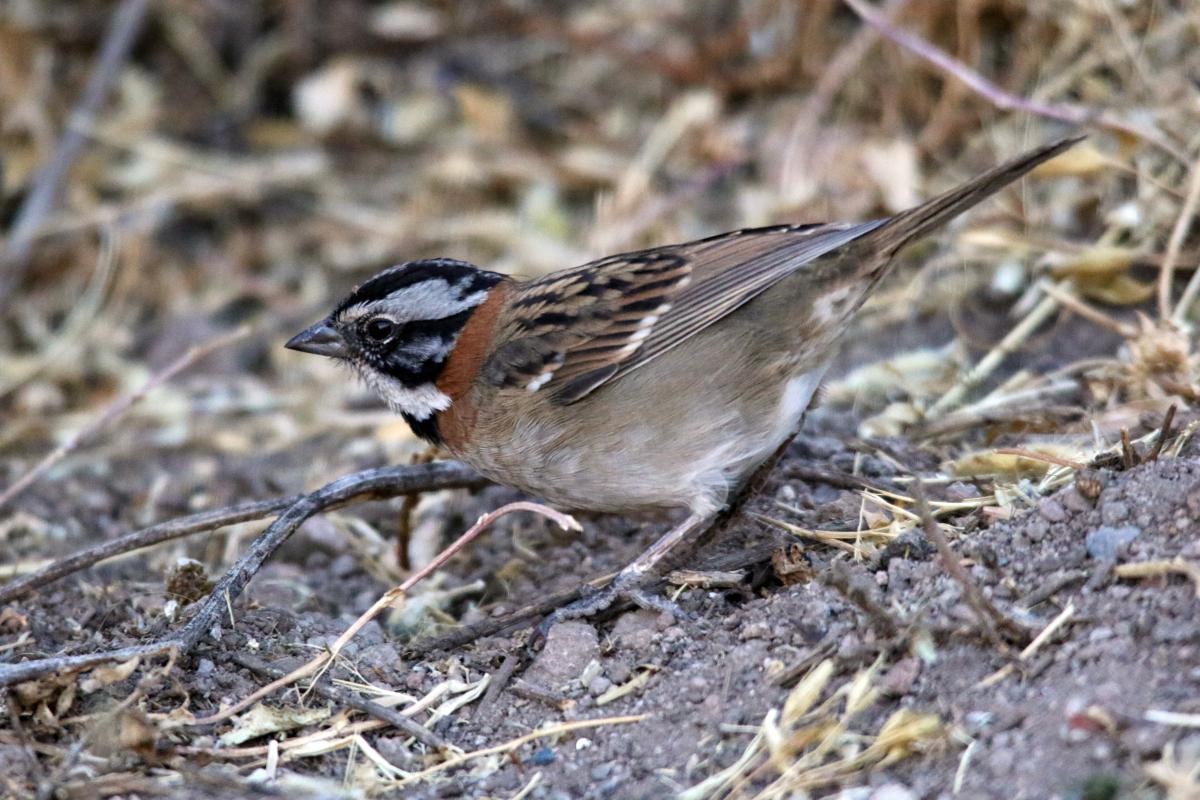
914,223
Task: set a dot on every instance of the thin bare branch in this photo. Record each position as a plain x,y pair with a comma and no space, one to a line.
1183,224
375,484
992,621
390,599
1064,112
146,537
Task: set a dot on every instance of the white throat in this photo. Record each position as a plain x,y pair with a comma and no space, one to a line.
419,402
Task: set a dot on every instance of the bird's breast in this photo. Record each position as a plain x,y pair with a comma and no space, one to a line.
674,435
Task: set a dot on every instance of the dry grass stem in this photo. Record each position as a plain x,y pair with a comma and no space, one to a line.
1073,114
391,599
513,744
1151,569
1069,300
1034,455
1187,216
986,365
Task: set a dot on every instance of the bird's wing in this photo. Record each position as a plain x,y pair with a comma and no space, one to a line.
570,332
573,331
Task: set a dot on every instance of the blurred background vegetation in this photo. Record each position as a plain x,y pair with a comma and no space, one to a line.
248,161
173,170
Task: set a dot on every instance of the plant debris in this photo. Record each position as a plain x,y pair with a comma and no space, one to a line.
976,565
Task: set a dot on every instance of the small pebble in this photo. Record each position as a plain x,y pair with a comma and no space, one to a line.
601,771
618,672
1076,502
569,648
1114,512
542,757
1106,542
755,630
343,566
1051,509
1037,530
1174,632
899,680
959,491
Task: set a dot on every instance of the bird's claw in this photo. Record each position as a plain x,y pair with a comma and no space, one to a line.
626,586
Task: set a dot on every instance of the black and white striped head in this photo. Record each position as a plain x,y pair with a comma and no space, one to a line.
399,328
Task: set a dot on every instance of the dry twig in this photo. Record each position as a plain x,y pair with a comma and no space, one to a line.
992,620
1070,113
1150,569
390,599
859,591
146,537
376,484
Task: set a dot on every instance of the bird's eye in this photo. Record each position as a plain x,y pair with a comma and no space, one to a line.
381,329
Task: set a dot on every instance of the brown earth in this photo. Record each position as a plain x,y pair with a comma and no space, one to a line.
1068,722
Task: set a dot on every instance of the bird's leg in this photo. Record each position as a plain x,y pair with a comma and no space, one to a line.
754,484
630,582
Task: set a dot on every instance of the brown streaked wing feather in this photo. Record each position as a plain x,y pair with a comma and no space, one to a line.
569,333
732,269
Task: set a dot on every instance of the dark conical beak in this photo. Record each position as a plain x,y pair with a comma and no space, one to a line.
320,339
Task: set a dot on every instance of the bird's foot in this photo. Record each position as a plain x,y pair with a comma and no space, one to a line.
628,585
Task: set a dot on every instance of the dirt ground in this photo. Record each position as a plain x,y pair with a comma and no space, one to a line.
1070,721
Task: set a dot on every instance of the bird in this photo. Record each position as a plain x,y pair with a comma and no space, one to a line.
653,380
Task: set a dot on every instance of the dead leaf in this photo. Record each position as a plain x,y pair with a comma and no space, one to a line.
1096,261
1122,290
1081,160
188,581
128,730
790,565
136,731
262,720
989,463
65,700
30,693
892,166
106,676
11,621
